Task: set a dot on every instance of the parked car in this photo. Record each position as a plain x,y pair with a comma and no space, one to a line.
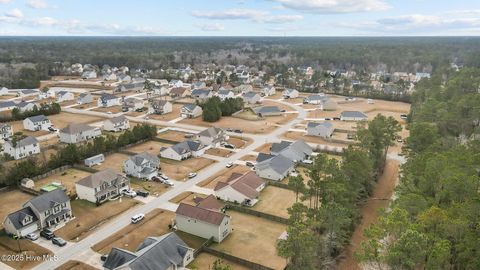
188,136
403,116
47,234
157,179
142,193
59,241
307,161
249,164
229,164
163,176
52,129
130,193
32,236
238,131
168,183
229,130
229,146
192,175
336,118
137,218
104,257
328,119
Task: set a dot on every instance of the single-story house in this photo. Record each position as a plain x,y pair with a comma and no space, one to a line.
101,186
89,74
251,97
315,99
109,100
85,98
116,124
183,150
24,106
274,168
201,94
353,116
324,130
7,106
224,94
240,188
267,111
22,148
143,166
62,96
290,93
191,111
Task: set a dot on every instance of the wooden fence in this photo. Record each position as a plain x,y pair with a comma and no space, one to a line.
54,171
249,211
237,260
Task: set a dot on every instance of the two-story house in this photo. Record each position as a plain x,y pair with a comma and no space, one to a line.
78,132
212,136
191,111
101,186
143,166
36,123
109,100
159,106
23,148
6,131
62,96
116,124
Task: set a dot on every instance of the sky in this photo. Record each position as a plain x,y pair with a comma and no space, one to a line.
240,18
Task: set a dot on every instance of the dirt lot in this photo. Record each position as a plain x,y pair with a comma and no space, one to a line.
113,109
275,201
88,217
66,178
294,135
255,127
113,161
178,170
12,200
204,261
63,119
253,239
155,188
8,246
264,148
238,142
130,237
169,116
223,176
172,135
75,265
88,105
151,147
219,152
249,158
187,197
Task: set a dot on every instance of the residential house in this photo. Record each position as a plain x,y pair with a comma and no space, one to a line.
109,100
324,130
201,94
202,222
143,166
267,111
27,92
243,88
6,131
136,86
62,96
48,210
240,188
101,186
36,123
123,78
290,93
161,90
134,104
78,132
198,85
25,106
89,74
179,92
191,111
183,150
296,151
95,160
314,99
167,252
175,83
85,98
160,106
251,97
209,202
224,94
7,106
116,124
3,91
212,136
22,148
268,90
353,116
110,77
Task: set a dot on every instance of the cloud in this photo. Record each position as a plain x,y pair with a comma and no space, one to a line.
37,4
5,1
334,6
246,14
14,13
282,18
212,27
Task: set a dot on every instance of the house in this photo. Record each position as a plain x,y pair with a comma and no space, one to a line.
328,105
159,106
62,96
6,131
243,88
324,130
167,252
143,166
296,151
161,91
36,123
202,222
274,168
78,132
183,150
3,91
224,94
267,111
27,182
175,83
7,106
314,99
268,90
290,93
22,148
95,160
251,97
48,210
179,92
212,136
110,77
101,186
353,116
136,86
240,188
209,202
116,124
134,104
123,78
85,98
89,74
27,92
198,85
24,106
191,111
201,94
109,100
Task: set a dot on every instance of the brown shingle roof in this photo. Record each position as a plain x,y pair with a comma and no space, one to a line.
210,202
246,184
205,215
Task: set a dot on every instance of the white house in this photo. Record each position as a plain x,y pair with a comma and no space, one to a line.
267,111
251,97
191,111
95,160
324,130
6,131
134,104
183,150
90,74
224,94
27,92
24,106
161,91
36,123
269,90
62,96
290,93
240,188
353,116
159,106
143,166
109,100
22,148
202,222
7,106
198,85
78,132
123,78
175,83
314,99
116,124
3,91
212,136
110,77
201,94
85,98
101,186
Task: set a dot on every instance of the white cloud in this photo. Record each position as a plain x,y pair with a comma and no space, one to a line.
14,13
5,1
334,6
37,4
282,18
246,14
212,27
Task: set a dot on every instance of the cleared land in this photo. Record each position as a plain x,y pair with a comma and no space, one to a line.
275,201
249,158
151,147
113,161
187,197
88,216
173,135
9,246
204,261
113,109
63,119
238,142
12,200
178,170
218,152
253,239
75,265
264,148
222,176
155,188
66,178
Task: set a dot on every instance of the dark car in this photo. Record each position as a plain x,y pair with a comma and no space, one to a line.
336,118
104,257
142,193
238,131
47,234
229,146
59,241
328,119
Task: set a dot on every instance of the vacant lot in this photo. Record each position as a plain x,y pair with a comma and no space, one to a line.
218,152
151,147
66,178
75,265
187,197
178,170
155,188
239,142
130,237
223,176
264,148
395,115
9,246
64,119
275,201
204,261
249,158
12,200
255,127
253,239
295,135
113,161
113,109
88,217
173,135
169,116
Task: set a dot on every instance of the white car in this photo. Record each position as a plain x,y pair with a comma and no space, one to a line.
137,218
229,164
307,161
192,175
130,193
163,176
168,183
32,236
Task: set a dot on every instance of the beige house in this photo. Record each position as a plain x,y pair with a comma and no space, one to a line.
101,186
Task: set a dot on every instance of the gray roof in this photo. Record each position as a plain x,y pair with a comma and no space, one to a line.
84,94
317,97
7,104
117,119
37,118
26,141
355,114
200,92
22,104
267,109
224,92
290,90
250,94
278,147
262,156
17,217
186,146
28,91
48,200
106,96
189,107
155,253
141,158
279,164
98,178
211,132
316,124
61,93
76,128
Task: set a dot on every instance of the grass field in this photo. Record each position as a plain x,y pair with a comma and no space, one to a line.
275,201
9,246
66,178
178,170
113,161
172,135
75,265
12,200
204,261
64,119
151,147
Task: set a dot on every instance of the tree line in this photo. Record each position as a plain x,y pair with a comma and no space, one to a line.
214,108
45,109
